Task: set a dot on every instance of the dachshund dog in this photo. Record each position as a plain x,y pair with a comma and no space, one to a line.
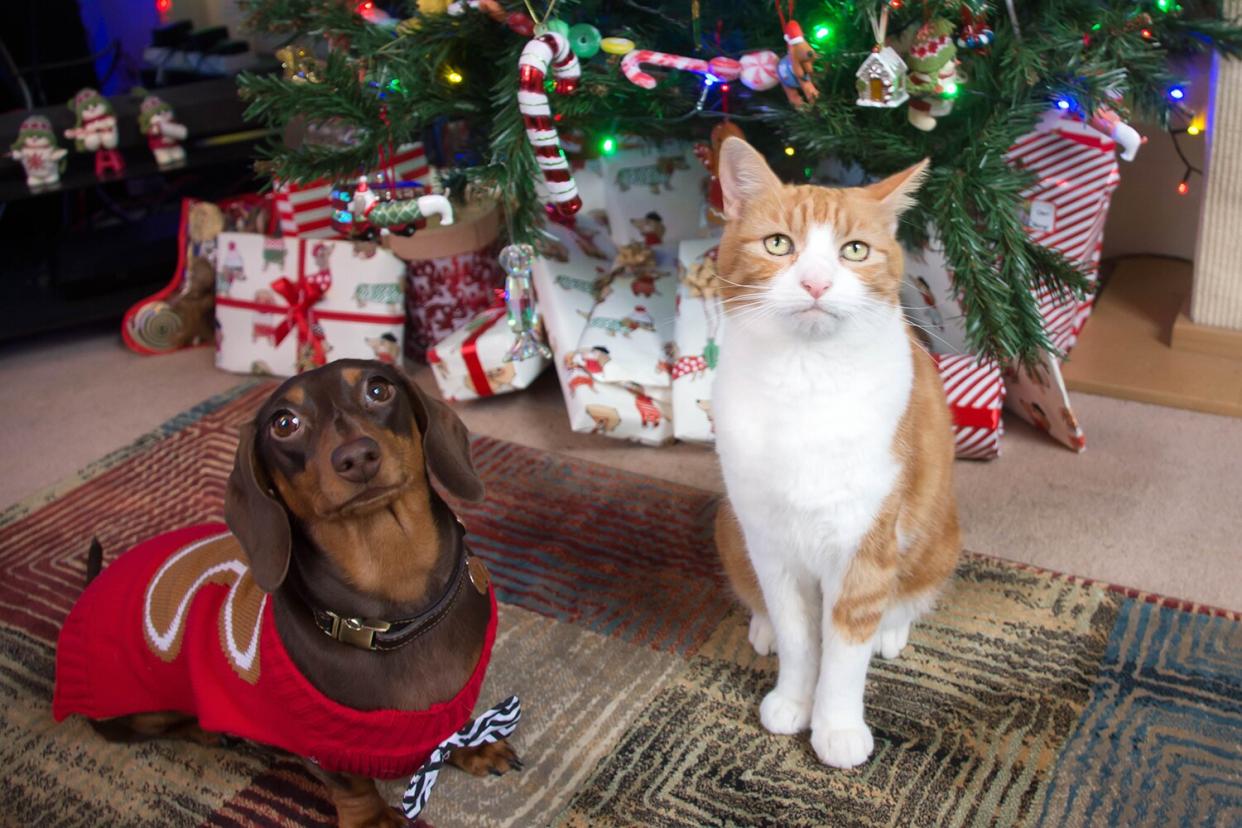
350,596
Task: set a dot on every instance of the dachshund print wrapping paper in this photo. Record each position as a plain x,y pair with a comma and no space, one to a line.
286,305
609,326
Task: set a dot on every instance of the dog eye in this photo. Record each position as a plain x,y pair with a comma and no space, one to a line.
778,244
285,424
855,251
379,390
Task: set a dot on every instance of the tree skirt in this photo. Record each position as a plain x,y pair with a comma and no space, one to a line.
1028,697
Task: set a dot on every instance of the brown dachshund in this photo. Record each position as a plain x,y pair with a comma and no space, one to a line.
364,564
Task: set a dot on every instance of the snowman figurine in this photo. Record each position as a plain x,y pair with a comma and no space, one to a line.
96,131
158,123
35,149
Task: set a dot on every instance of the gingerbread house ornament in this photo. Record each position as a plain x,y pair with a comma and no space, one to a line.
882,79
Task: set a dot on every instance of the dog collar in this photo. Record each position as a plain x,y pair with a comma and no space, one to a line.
381,635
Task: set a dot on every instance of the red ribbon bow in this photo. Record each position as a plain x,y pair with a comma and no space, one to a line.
301,296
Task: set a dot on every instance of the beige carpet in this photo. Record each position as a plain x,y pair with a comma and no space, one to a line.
1152,504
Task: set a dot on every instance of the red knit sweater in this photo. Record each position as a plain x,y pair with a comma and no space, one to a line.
177,624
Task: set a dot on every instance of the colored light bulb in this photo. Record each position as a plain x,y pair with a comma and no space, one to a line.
950,89
608,145
1177,93
1183,188
790,151
821,32
1063,104
454,77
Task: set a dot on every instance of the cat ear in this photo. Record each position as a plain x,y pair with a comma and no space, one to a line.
897,191
743,175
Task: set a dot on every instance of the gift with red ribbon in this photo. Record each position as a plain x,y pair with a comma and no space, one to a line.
470,363
975,391
284,306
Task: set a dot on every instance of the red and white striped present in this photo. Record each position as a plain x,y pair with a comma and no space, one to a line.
1077,172
305,210
975,391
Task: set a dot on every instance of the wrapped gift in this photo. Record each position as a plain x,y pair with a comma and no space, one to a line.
305,210
288,305
608,315
654,192
451,275
700,323
1076,173
470,363
975,392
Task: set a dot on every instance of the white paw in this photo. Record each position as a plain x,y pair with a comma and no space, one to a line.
784,716
842,747
761,636
889,643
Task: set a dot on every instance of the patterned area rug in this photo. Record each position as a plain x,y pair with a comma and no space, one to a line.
1027,698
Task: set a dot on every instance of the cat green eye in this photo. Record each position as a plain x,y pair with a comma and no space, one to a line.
778,244
855,251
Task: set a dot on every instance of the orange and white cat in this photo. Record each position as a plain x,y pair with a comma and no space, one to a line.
834,437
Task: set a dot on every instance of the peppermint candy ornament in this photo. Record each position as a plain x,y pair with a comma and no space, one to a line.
758,70
549,50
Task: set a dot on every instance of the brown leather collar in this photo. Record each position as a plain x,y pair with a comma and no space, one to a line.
381,635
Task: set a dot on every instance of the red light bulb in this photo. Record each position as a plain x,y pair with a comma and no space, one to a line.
1183,188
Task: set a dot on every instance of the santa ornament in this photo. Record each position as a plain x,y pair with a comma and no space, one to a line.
96,131
158,123
35,149
932,81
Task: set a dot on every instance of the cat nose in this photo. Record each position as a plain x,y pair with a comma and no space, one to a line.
816,288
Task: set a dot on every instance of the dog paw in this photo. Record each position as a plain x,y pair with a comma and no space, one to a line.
842,747
784,716
889,643
762,638
495,758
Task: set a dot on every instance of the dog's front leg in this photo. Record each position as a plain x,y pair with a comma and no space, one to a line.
357,801
496,758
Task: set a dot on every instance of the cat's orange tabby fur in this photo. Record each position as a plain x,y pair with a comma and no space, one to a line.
835,441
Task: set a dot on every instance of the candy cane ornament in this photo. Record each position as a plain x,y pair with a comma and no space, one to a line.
549,49
632,63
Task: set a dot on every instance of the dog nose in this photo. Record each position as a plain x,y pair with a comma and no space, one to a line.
358,460
815,288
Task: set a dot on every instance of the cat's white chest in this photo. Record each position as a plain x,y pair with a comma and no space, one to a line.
805,440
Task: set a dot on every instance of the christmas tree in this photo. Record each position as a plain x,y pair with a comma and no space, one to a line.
980,74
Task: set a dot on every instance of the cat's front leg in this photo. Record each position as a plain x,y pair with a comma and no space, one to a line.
839,734
793,609
851,620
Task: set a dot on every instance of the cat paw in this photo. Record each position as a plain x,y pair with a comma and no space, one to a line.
842,747
889,643
762,638
784,716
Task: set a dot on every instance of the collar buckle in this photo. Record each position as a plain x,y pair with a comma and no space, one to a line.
357,632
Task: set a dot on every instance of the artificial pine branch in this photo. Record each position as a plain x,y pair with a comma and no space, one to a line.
1083,51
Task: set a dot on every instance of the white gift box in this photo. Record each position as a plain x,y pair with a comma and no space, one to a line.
654,193
288,305
609,334
470,363
700,330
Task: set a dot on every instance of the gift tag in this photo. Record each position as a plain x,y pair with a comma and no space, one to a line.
1043,216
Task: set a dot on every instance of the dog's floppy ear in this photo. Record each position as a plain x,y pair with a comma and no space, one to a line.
446,444
256,516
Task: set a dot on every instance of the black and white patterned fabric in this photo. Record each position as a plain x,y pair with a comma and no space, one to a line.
497,723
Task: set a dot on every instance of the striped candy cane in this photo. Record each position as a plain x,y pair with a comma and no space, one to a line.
548,49
631,65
